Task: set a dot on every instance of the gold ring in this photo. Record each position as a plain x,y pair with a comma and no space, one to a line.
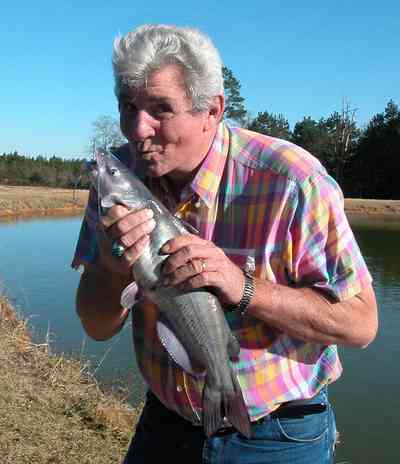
203,265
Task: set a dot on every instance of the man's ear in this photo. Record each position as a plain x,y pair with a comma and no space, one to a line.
215,112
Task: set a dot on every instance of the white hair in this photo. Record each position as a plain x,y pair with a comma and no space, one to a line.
151,47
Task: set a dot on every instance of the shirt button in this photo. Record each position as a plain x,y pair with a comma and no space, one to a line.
197,204
179,388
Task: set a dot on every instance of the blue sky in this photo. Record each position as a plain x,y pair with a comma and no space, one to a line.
295,58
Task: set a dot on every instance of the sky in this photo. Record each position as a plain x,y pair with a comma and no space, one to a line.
290,57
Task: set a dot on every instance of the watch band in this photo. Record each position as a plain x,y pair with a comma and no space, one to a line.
248,293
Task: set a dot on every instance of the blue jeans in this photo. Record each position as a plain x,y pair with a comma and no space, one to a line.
275,440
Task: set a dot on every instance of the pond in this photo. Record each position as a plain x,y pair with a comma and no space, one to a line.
35,256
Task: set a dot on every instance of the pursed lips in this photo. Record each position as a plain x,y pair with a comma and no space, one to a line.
151,156
149,151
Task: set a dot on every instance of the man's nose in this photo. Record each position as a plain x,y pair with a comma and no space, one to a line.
143,126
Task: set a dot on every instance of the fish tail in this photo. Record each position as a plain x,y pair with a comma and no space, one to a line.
212,402
217,404
236,410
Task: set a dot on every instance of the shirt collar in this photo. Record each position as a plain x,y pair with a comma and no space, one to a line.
208,177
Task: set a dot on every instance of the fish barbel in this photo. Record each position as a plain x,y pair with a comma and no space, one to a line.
191,324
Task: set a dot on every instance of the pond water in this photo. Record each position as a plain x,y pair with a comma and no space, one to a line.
35,268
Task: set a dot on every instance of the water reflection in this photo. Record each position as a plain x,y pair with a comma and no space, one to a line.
380,248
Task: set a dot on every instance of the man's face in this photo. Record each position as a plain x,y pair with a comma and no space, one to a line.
158,119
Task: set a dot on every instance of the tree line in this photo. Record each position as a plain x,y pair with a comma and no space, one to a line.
16,169
363,160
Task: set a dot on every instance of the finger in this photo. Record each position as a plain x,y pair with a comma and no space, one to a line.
204,279
137,233
186,254
129,222
114,214
123,264
133,253
190,269
181,241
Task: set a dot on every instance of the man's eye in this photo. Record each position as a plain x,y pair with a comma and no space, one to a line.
114,172
162,109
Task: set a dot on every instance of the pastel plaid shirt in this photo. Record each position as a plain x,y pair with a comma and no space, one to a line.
272,208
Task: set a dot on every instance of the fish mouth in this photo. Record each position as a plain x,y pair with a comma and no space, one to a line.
99,158
95,167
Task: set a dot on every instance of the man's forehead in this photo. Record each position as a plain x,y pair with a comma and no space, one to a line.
135,94
166,83
154,94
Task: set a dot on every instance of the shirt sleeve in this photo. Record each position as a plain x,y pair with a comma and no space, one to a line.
325,254
87,250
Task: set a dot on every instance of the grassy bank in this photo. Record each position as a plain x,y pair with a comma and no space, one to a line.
26,200
15,201
52,410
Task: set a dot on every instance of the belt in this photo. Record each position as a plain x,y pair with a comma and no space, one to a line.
295,409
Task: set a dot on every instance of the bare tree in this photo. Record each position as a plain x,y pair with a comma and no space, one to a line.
106,133
345,134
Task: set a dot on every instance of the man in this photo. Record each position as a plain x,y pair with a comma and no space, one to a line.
273,244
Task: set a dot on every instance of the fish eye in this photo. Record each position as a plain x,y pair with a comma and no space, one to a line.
114,172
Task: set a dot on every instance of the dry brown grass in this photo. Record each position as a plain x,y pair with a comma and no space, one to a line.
371,207
52,411
17,200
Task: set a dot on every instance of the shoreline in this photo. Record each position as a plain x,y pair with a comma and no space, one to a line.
38,212
29,201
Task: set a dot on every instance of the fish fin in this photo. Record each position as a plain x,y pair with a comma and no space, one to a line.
128,296
236,409
175,348
233,348
212,419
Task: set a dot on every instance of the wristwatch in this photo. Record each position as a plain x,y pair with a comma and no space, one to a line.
248,293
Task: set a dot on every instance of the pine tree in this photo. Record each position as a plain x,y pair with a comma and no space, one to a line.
234,102
275,125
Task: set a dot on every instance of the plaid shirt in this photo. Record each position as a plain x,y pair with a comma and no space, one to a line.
272,208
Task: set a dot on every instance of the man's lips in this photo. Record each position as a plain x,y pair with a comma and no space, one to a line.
147,145
150,155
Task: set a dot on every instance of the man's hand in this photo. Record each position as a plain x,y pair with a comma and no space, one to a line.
196,263
129,228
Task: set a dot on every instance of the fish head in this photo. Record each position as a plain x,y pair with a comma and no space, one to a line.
114,182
